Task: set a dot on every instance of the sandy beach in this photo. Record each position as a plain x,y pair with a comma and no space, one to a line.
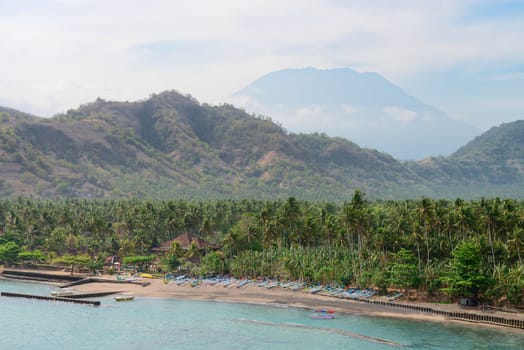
252,294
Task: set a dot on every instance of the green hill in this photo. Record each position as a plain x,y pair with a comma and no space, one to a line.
170,145
490,165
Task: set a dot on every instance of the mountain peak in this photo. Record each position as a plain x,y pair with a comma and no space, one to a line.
363,107
327,86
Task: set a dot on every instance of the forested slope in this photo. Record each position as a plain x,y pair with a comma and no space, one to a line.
172,146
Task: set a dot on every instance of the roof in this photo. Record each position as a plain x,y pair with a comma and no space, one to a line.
185,240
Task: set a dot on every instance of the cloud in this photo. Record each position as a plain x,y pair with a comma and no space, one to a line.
349,109
169,52
338,121
61,53
401,114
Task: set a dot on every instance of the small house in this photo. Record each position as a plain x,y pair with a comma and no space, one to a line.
185,240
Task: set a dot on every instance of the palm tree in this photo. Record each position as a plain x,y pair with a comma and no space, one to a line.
176,250
193,252
516,242
289,218
357,220
426,217
490,216
231,244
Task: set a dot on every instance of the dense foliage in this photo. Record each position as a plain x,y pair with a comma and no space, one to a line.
462,248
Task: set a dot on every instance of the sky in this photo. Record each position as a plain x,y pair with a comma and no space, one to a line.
465,57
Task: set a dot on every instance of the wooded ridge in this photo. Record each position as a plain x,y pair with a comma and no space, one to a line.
172,146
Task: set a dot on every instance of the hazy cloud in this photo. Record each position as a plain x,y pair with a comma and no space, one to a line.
349,109
57,54
401,114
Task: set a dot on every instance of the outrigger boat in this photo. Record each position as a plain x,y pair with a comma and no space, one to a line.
124,297
315,290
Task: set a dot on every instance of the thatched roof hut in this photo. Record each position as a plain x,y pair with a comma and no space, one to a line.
185,240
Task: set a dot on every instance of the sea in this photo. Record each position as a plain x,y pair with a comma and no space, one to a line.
156,323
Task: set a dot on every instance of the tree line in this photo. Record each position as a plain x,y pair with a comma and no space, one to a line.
441,247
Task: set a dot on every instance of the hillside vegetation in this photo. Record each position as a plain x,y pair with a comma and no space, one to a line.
170,145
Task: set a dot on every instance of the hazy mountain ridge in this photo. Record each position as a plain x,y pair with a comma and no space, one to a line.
363,107
171,145
495,157
328,87
178,145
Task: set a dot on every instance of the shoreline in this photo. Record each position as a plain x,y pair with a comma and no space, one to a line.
279,297
254,295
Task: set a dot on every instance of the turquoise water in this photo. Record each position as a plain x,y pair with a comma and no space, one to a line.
149,323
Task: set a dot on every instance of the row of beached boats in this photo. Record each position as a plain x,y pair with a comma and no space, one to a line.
321,314
345,293
239,283
352,293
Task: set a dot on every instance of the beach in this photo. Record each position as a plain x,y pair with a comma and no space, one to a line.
252,293
280,297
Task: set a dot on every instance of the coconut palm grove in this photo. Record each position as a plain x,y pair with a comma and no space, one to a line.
439,250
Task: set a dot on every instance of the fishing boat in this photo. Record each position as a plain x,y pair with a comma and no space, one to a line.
124,297
323,314
272,285
196,283
315,290
296,286
226,283
242,283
